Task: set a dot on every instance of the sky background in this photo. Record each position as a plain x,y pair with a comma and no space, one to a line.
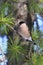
40,23
3,43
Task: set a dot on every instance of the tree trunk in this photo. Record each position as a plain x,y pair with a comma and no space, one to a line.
23,15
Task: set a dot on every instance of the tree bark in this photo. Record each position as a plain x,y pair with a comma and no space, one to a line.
23,15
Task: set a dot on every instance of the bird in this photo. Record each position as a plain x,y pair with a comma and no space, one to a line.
22,30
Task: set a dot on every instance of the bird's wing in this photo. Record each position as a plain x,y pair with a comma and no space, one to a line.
23,31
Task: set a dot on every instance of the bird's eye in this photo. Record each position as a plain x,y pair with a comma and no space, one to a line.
21,22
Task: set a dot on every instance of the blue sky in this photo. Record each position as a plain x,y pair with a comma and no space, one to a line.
3,43
40,23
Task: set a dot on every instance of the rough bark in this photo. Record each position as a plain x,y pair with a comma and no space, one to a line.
24,16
